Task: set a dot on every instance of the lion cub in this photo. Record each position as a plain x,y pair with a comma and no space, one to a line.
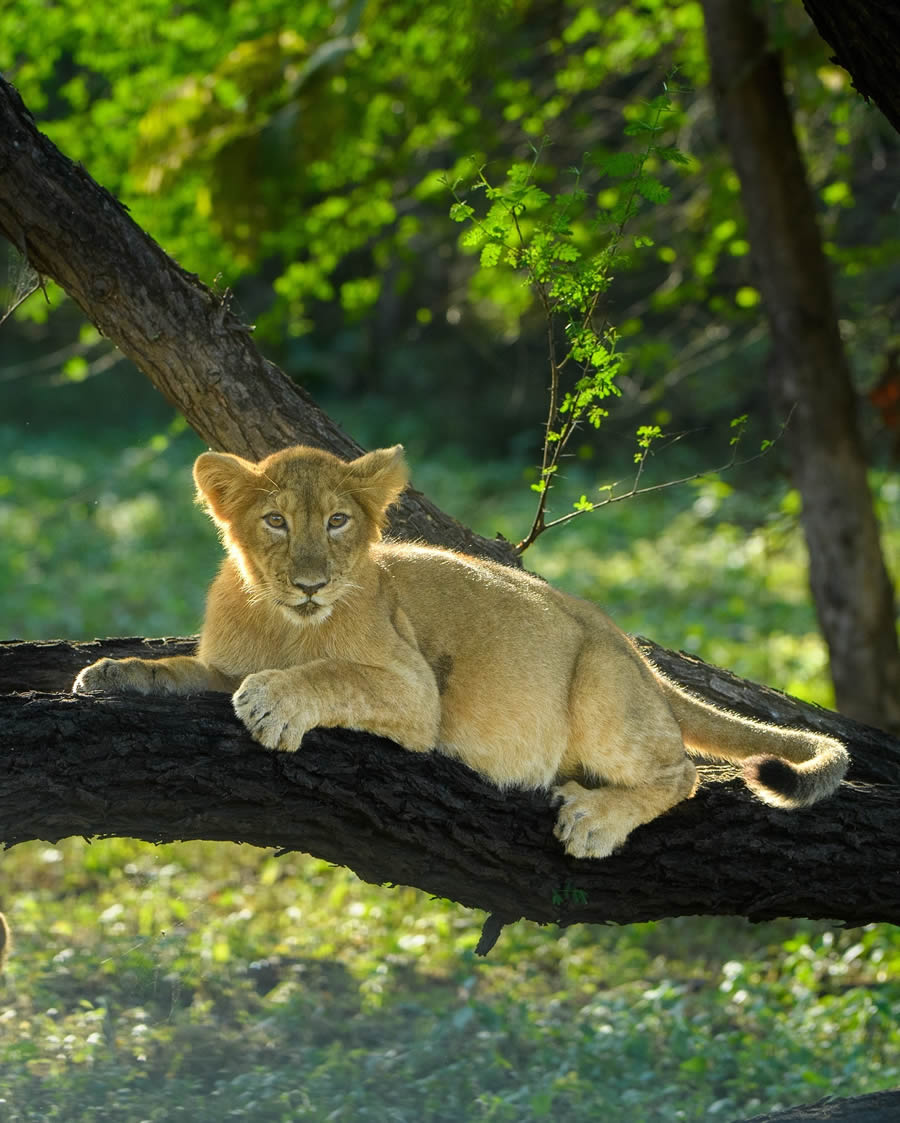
314,620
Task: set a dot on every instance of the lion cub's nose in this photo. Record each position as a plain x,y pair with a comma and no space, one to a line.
310,590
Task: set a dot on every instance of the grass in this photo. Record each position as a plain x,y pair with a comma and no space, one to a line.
216,982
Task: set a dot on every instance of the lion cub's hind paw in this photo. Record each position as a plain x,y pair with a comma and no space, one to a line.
580,827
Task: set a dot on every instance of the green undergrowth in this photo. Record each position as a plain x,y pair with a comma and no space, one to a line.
212,981
219,982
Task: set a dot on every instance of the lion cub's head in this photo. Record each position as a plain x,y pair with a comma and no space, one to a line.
299,522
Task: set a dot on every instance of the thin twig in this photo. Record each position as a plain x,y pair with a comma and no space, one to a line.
635,490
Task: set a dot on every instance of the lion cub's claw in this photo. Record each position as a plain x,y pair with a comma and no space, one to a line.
271,714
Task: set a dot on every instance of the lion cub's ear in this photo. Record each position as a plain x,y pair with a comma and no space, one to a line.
222,480
377,479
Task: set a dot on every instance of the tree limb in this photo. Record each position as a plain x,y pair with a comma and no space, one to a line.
180,333
865,37
877,1107
163,769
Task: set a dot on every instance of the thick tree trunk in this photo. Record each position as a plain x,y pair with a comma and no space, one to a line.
182,335
850,585
865,36
164,769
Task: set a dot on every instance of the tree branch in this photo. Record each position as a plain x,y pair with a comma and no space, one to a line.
865,36
180,333
163,769
877,1107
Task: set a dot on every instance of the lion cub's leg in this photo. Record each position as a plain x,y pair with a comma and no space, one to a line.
626,750
593,822
401,703
174,674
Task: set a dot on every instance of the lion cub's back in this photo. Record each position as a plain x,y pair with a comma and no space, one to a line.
450,593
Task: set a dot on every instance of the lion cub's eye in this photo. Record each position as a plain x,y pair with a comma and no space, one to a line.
337,520
274,520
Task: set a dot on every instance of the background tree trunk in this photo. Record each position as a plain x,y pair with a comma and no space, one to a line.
852,591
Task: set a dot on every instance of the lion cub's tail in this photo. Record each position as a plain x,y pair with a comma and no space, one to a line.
784,767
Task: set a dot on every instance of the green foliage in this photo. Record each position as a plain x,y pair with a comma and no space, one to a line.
220,982
646,435
77,516
309,142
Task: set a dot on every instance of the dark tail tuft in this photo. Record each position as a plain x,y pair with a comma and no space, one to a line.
775,781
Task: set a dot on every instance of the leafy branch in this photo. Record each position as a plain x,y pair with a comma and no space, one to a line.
650,435
548,239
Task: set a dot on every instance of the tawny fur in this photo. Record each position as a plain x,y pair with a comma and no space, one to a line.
314,620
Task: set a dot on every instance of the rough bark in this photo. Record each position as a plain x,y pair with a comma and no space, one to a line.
164,769
865,37
853,594
180,333
878,1107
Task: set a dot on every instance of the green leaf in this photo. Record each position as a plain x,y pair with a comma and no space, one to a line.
473,236
459,212
565,251
646,434
76,369
738,424
672,155
652,190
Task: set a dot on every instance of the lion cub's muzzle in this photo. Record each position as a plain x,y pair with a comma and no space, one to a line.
309,588
313,604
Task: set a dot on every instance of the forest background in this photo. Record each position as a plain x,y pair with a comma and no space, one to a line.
301,155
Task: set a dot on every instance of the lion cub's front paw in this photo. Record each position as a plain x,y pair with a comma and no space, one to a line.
272,713
133,675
